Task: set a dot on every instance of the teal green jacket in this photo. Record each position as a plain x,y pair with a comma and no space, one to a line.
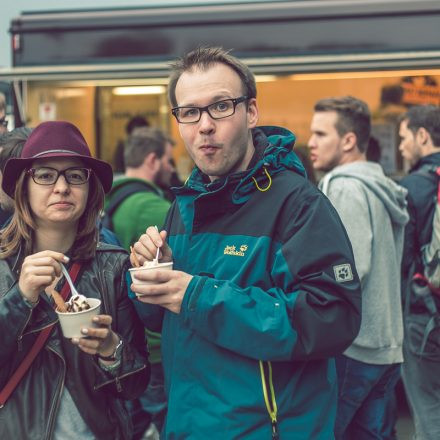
274,281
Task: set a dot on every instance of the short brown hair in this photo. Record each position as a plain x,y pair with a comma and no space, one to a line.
426,116
205,57
353,116
20,231
142,142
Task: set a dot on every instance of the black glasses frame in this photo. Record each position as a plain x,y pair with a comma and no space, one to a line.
235,102
31,172
4,121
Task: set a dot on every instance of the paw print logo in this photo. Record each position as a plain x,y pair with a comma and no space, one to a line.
343,273
243,248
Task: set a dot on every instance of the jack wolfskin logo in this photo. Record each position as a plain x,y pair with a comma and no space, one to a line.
343,273
232,250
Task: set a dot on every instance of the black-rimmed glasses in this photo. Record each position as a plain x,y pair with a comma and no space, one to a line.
217,110
49,176
3,122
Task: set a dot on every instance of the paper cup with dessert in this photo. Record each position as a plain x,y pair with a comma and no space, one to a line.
76,313
147,267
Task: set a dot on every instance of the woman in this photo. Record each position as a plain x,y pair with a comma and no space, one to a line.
73,388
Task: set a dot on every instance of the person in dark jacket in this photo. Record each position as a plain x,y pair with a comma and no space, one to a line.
11,144
420,146
264,291
73,388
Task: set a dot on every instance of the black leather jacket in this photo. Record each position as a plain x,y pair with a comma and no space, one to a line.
31,410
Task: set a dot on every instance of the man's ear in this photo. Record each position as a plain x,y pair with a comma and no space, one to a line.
349,141
423,137
252,113
151,160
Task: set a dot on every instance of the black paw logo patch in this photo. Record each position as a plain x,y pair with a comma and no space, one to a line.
343,273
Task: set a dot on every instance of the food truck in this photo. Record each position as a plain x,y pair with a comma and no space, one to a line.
99,68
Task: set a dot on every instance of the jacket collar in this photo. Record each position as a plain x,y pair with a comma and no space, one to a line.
273,153
430,159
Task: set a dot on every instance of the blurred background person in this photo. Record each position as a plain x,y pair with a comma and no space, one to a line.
420,146
373,152
11,144
118,155
3,119
134,203
304,155
373,210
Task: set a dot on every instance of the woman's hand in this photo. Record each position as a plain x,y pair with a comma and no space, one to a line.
102,340
39,271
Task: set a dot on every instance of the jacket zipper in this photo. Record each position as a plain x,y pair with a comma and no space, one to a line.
56,401
117,379
19,339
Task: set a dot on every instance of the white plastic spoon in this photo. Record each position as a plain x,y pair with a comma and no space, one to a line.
69,280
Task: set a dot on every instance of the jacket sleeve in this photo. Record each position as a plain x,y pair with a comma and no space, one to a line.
133,375
313,309
410,247
15,314
348,198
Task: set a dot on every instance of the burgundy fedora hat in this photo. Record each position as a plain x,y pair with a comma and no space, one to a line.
55,139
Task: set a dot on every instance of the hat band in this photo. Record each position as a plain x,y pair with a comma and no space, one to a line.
44,153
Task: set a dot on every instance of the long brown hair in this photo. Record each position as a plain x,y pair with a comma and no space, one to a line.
20,232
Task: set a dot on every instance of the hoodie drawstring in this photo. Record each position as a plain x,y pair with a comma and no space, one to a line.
269,184
271,404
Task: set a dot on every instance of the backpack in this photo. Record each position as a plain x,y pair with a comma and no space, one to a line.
431,251
423,330
120,195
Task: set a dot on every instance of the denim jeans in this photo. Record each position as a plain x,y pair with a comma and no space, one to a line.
151,407
154,400
364,391
421,378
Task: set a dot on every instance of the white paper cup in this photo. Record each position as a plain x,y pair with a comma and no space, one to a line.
136,270
72,323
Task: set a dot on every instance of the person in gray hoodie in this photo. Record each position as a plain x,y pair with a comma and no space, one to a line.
373,210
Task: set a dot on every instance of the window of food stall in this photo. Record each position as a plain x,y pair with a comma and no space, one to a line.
102,108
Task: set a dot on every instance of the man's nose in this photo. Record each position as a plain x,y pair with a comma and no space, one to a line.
206,123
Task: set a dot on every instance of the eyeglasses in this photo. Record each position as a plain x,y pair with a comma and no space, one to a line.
217,110
49,176
3,122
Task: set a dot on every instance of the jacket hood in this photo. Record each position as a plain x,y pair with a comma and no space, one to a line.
273,153
430,159
392,195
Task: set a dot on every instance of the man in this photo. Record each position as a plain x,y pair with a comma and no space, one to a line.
3,120
373,210
420,146
148,159
263,289
118,155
